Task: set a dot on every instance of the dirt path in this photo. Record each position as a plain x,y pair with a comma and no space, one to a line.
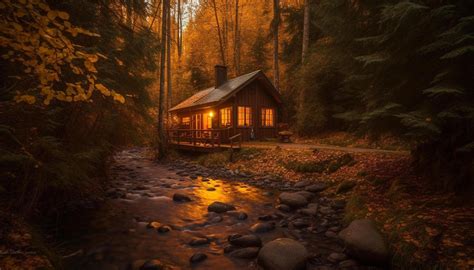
299,146
120,233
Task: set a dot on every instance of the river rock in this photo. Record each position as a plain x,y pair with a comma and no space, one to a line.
283,208
310,210
245,253
180,197
153,225
318,187
198,241
262,227
365,242
293,200
336,257
220,207
248,240
283,254
153,265
164,229
301,184
197,257
237,214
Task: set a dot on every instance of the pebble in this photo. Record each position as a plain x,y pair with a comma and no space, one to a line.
197,257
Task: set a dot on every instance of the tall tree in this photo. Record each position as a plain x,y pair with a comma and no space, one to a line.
305,30
221,45
275,25
237,40
168,62
161,105
180,31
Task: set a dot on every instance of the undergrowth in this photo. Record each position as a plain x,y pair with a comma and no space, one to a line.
324,166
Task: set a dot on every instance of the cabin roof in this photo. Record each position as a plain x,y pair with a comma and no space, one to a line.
215,95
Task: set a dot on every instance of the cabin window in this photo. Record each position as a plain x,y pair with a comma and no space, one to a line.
226,116
186,121
267,117
244,116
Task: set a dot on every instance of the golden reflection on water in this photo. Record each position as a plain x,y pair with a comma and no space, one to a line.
226,192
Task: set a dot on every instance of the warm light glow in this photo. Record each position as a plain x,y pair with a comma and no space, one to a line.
211,114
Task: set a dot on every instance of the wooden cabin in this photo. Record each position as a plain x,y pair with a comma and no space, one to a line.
244,108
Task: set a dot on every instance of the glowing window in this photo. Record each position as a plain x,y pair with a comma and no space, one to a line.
267,117
244,116
185,121
226,116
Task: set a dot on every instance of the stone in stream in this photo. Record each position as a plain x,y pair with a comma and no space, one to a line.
262,227
300,223
337,257
151,265
283,254
245,253
211,189
237,214
153,225
318,187
310,210
350,264
364,241
293,200
308,195
197,241
180,197
164,229
301,184
220,207
248,240
283,208
197,257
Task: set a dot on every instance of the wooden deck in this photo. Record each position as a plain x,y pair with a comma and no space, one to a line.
203,140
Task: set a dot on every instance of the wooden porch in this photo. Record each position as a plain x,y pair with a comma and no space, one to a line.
204,140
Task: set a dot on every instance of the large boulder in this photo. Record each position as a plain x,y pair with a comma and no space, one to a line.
292,199
283,254
364,241
220,207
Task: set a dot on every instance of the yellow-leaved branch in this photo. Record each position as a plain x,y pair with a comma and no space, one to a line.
52,66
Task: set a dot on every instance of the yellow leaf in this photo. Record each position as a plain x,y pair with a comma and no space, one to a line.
25,98
119,98
104,90
17,27
63,15
52,14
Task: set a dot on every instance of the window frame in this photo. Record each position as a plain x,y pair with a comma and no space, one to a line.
186,123
264,122
247,115
227,110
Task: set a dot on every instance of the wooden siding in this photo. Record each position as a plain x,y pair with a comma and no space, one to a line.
254,96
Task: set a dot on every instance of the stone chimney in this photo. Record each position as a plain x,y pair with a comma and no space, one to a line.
221,75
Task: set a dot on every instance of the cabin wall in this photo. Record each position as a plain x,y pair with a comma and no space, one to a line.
254,96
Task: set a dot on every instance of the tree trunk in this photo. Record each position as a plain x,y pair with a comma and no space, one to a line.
180,32
305,31
237,40
276,23
161,126
221,45
168,64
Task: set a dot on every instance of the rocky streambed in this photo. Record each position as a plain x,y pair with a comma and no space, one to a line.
182,216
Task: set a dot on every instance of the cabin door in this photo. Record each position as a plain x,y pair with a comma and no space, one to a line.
207,121
196,121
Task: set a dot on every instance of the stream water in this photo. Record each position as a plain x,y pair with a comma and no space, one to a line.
115,235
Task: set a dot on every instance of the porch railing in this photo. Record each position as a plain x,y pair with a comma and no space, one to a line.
199,137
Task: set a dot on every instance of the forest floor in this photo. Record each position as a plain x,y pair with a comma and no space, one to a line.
426,228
